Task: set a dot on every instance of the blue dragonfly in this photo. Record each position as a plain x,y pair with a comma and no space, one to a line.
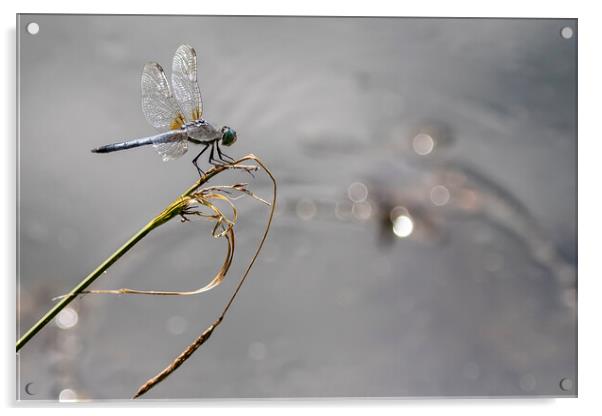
178,115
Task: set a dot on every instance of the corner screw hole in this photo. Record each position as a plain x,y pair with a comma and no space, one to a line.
566,32
33,28
566,384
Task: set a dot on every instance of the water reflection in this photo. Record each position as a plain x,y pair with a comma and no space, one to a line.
439,189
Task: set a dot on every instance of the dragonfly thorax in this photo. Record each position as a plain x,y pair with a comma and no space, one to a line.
201,130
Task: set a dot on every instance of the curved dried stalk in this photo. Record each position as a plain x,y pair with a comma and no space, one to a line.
227,231
180,359
174,209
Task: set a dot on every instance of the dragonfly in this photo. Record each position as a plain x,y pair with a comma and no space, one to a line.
178,115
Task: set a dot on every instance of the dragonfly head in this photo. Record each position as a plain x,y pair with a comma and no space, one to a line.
228,136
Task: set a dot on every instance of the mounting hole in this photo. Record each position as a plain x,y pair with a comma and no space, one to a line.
566,32
566,384
33,28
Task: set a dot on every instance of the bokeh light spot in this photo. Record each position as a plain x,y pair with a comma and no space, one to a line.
361,211
357,192
67,318
67,395
527,383
423,144
439,195
403,226
306,209
342,210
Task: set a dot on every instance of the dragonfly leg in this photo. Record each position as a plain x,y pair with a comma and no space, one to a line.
211,154
212,158
223,157
196,158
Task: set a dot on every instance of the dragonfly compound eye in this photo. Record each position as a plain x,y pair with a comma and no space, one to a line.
228,137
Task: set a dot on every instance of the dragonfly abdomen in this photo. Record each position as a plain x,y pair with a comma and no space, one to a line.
132,143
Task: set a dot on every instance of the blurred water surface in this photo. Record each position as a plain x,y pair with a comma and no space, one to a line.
425,242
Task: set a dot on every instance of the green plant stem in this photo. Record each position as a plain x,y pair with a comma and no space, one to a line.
84,284
171,211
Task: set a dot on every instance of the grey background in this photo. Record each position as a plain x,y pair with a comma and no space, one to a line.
479,301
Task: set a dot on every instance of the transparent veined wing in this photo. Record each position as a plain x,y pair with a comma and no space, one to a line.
184,82
158,103
171,145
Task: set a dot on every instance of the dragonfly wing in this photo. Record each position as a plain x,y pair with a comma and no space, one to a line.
171,145
184,82
158,103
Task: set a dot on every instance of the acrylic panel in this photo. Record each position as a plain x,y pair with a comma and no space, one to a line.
424,240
